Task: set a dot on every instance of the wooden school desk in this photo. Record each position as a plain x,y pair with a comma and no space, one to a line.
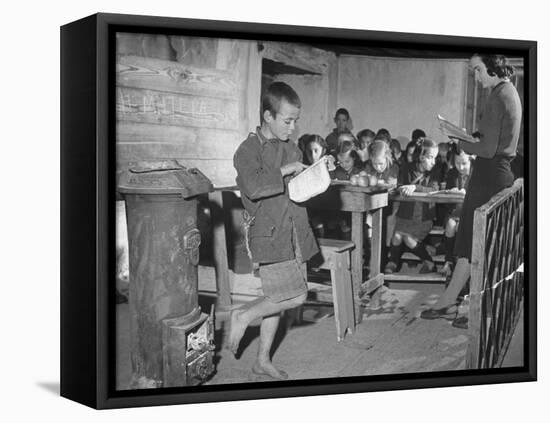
447,197
343,196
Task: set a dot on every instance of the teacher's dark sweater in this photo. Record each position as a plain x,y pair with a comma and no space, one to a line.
499,125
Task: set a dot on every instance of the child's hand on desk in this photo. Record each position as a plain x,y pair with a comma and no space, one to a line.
292,168
406,190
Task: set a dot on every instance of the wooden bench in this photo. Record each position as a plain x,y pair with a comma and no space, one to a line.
336,258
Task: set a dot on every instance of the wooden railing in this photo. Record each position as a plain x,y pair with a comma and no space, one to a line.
496,285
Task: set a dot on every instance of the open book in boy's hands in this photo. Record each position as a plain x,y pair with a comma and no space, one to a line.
311,182
454,132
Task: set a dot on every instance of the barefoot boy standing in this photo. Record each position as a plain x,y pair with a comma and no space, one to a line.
279,236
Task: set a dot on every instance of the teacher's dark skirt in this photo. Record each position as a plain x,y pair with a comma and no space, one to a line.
489,176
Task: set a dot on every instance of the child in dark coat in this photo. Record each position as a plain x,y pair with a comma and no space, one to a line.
278,234
380,166
457,180
346,167
414,220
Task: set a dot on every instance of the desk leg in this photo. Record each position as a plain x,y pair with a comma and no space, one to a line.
376,247
376,277
220,252
357,224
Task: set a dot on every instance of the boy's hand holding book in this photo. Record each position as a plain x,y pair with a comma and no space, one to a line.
293,168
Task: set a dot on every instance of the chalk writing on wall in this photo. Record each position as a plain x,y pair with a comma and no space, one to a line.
162,75
148,106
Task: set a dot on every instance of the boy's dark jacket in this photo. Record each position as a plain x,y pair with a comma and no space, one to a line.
264,194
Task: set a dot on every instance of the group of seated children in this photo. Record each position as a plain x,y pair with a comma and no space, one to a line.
424,166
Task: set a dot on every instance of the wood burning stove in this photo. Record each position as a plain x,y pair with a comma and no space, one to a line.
172,341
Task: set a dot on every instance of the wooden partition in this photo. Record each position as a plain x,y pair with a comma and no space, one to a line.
496,285
195,107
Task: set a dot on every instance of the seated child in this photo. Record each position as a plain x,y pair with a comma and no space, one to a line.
409,152
414,220
396,154
384,134
441,162
439,172
416,137
381,168
364,138
457,180
347,159
302,146
315,147
380,165
342,120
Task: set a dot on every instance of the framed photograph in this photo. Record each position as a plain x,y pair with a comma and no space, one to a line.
257,211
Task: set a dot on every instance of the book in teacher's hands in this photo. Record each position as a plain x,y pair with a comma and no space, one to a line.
454,132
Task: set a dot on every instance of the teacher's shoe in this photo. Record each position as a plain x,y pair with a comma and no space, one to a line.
439,313
461,322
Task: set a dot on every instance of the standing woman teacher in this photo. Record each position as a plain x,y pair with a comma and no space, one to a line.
498,136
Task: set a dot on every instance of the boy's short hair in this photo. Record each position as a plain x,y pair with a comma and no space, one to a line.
346,136
275,93
417,134
341,111
454,151
383,132
365,133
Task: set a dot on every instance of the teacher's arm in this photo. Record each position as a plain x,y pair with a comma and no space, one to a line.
487,145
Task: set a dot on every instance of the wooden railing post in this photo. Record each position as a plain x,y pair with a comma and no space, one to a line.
476,286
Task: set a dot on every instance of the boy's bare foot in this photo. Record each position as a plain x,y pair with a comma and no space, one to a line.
236,330
268,369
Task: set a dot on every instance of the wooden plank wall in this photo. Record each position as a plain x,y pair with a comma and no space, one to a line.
183,98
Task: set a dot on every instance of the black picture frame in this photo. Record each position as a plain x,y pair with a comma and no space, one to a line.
87,211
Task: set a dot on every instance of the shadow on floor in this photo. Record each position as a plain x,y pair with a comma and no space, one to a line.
51,387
